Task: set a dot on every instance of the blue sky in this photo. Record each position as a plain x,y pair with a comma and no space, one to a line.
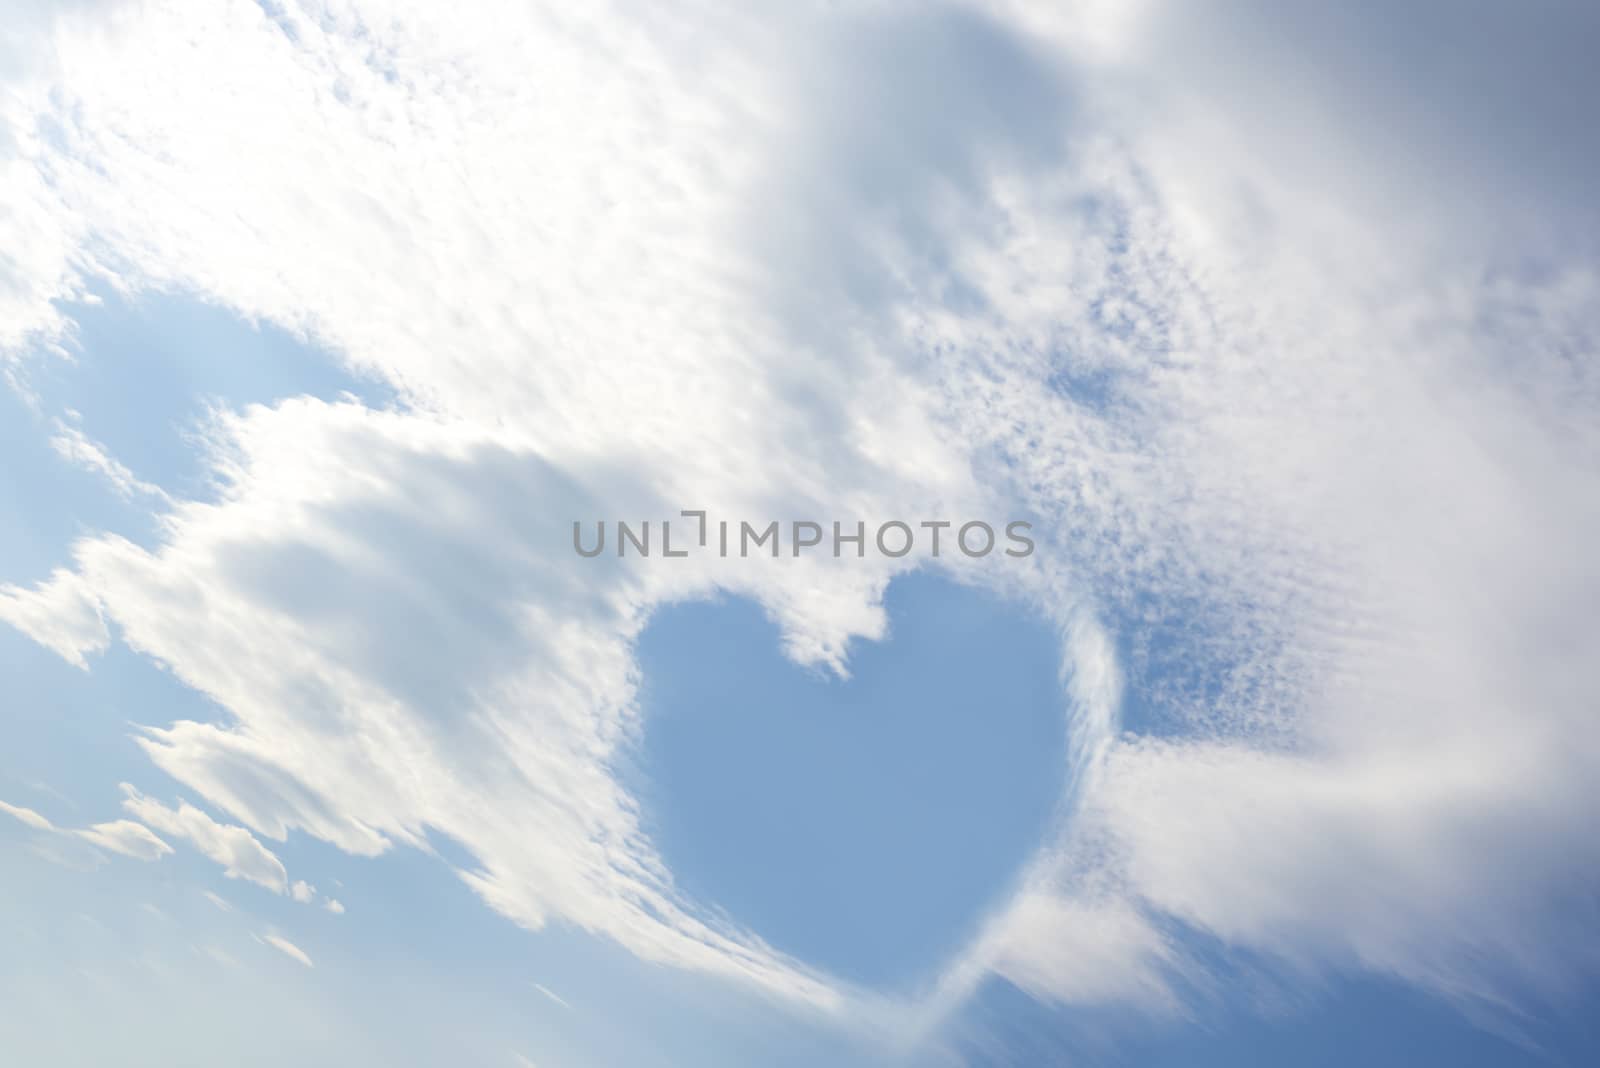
854,822
321,324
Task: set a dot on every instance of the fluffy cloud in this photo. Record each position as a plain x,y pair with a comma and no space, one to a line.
1317,449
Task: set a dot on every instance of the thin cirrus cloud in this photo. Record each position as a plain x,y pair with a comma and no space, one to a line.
234,848
1342,461
238,851
126,837
287,948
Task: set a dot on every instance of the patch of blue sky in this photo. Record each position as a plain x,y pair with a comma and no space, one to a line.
71,732
415,944
1173,660
144,377
416,972
51,502
148,370
145,374
863,825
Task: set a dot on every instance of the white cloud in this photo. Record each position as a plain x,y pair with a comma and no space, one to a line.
1320,456
552,995
61,614
1065,949
303,892
233,847
27,816
118,836
333,905
126,837
74,446
287,948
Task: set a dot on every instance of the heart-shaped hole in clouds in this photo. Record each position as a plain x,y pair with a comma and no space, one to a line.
866,825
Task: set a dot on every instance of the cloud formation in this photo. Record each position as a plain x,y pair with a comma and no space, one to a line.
287,948
126,837
235,848
1317,446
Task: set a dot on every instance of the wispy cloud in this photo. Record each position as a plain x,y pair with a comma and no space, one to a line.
117,836
287,948
1316,447
126,837
72,445
241,855
27,817
552,995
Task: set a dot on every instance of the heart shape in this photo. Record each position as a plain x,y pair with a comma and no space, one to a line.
862,825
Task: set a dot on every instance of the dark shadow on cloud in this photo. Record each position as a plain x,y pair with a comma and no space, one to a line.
428,603
1480,108
901,117
894,122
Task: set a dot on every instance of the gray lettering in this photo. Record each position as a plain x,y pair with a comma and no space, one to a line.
859,537
800,543
666,541
910,537
600,538
1011,532
625,535
702,517
988,531
746,530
